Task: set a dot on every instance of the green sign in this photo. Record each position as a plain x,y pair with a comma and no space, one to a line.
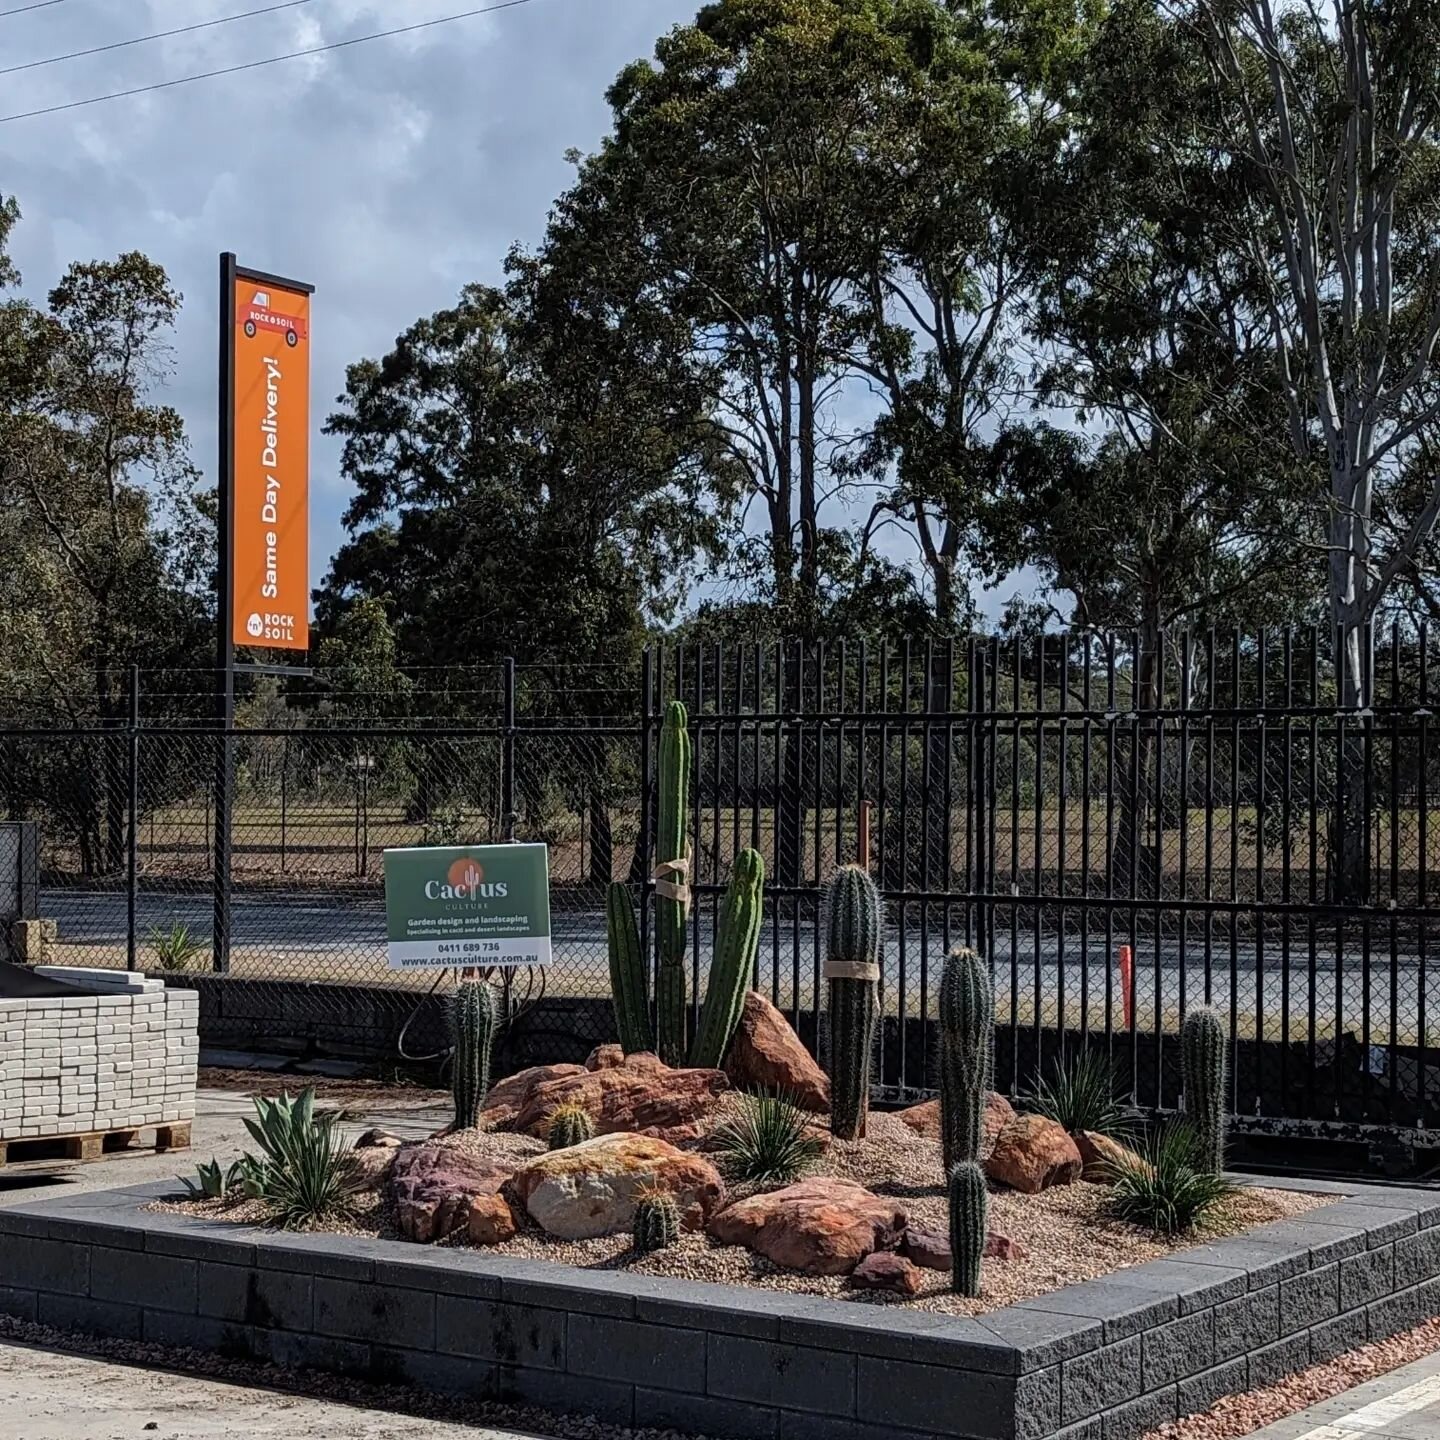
468,905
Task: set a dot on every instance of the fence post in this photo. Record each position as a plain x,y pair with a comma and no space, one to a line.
644,841
507,755
132,833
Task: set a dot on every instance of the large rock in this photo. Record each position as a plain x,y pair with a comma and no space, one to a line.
508,1097
589,1189
822,1226
491,1221
640,1095
433,1184
605,1057
931,1248
1033,1153
766,1054
1102,1157
924,1119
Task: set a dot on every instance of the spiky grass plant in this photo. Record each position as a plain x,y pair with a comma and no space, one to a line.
769,1142
1167,1189
176,949
1081,1094
306,1172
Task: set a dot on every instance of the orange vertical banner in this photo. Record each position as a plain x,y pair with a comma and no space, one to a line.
1127,984
271,430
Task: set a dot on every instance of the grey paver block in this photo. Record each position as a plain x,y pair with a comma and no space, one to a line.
1094,1383
198,1332
18,1304
1200,1392
56,1266
91,1317
383,1314
1366,1277
529,1336
767,1372
934,1399
269,1299
703,1415
1043,1337
1123,1310
446,1374
1417,1257
1177,1350
1248,1323
1266,1262
923,1336
1037,1403
1195,1287
1403,1310
300,1350
132,1277
1334,1337
1137,1416
1273,1362
652,1355
1306,1300
607,1400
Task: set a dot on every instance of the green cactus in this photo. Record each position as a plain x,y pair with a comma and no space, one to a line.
969,1220
472,1024
733,963
967,1045
1202,1069
629,989
853,911
672,844
569,1125
657,1220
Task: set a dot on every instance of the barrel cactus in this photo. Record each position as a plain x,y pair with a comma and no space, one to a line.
967,1044
629,990
657,1220
852,964
733,964
969,1219
569,1125
1202,1067
472,1026
672,883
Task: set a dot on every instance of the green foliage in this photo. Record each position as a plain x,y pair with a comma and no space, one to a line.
629,983
969,1224
472,1022
769,1142
569,1125
1202,1066
657,1220
967,1048
853,912
672,843
211,1182
732,965
1166,1188
177,948
305,1172
1081,1094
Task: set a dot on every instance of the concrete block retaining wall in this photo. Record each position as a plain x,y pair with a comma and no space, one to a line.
118,1054
1105,1360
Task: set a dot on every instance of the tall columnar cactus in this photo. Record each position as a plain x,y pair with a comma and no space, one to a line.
852,965
733,964
672,883
569,1125
1202,1067
967,1043
657,1220
629,989
472,1025
969,1219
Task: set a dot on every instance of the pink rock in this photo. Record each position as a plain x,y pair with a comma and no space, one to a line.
605,1057
1033,1153
508,1096
884,1270
1103,1157
931,1248
433,1184
1002,1247
823,1226
766,1054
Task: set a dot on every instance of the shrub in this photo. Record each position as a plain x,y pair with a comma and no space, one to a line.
176,948
306,1172
769,1142
1080,1095
1167,1189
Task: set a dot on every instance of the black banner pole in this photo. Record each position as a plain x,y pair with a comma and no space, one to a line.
225,616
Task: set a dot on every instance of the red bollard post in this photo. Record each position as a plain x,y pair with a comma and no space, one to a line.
1127,984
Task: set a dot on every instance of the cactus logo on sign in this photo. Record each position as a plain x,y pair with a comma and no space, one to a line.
468,905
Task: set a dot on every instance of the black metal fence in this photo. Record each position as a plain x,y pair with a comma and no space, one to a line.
1124,830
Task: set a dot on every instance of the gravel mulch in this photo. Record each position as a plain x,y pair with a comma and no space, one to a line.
1065,1231
1238,1415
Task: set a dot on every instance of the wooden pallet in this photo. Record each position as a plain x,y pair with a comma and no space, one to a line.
51,1151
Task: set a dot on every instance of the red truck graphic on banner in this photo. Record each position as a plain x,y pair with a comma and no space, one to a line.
258,316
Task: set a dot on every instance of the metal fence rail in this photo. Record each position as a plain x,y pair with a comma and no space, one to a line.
1202,805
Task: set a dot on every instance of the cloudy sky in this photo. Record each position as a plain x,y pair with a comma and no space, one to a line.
388,174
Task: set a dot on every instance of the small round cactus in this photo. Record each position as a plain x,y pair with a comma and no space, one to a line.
569,1125
657,1220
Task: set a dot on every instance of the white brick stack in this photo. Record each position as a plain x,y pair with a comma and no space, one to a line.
122,1057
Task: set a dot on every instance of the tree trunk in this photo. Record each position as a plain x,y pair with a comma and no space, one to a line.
1132,845
602,847
1349,824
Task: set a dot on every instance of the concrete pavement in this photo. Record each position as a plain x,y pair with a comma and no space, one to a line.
1404,1405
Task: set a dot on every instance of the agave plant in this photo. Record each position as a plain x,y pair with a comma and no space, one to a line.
769,1142
176,948
306,1173
1081,1094
210,1183
1167,1189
